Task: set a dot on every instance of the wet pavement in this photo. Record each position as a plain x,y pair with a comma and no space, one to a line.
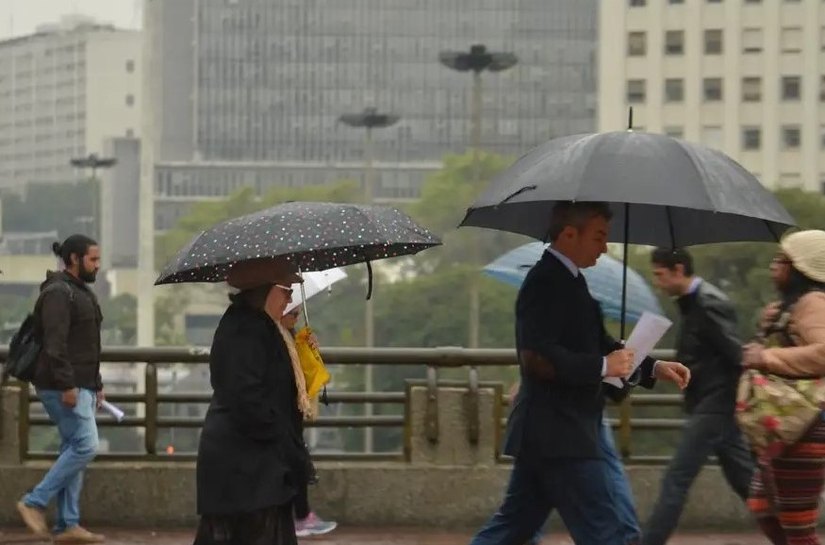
363,536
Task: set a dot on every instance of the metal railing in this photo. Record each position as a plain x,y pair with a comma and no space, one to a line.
434,359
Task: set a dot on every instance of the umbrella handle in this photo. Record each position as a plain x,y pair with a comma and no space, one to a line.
369,280
304,300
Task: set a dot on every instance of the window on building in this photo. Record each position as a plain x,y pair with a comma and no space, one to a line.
130,66
676,1
712,89
637,3
712,136
674,90
130,100
753,1
821,88
791,40
713,42
822,136
636,91
752,40
822,38
674,42
789,180
675,132
791,137
636,44
751,138
751,89
791,87
714,1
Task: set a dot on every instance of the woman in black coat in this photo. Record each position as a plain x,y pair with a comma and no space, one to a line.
251,458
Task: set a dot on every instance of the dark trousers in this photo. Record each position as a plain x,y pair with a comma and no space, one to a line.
301,503
581,490
615,470
704,434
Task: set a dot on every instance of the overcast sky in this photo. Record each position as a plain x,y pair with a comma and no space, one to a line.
20,17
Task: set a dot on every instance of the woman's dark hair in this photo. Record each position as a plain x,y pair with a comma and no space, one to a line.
253,297
798,285
74,245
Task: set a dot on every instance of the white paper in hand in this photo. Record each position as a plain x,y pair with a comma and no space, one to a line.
112,410
646,335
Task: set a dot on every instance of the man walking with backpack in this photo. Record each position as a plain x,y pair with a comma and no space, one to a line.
67,379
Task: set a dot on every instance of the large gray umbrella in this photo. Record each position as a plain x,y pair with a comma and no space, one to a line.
676,193
663,192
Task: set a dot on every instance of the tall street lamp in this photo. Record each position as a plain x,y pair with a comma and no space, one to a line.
476,61
369,120
94,162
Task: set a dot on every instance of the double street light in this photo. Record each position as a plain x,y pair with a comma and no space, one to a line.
476,61
94,162
369,120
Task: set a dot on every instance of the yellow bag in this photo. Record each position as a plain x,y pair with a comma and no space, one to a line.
312,365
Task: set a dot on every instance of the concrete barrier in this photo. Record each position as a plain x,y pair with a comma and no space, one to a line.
450,482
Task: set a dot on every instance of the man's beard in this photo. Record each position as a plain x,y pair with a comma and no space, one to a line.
87,276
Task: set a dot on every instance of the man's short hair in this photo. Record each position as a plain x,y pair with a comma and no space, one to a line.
669,258
576,215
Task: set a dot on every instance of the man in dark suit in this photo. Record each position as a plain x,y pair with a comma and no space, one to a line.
564,355
709,346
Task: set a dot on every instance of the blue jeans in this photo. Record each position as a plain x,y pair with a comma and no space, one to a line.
78,445
593,498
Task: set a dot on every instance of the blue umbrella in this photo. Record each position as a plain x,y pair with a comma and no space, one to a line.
604,280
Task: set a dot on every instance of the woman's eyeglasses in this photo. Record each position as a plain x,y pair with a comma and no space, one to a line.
287,289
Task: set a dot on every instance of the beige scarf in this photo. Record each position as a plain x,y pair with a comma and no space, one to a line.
303,398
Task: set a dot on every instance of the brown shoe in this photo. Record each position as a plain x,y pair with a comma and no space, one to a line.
34,518
78,534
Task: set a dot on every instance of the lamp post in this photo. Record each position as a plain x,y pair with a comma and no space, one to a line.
477,60
369,120
94,162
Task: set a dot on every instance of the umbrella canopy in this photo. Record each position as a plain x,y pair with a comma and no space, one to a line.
604,281
313,235
674,192
314,283
663,192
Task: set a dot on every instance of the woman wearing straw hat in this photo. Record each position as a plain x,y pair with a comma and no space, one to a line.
785,490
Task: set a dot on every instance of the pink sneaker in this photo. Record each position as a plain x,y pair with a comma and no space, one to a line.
313,525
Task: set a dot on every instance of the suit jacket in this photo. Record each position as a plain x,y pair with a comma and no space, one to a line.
561,342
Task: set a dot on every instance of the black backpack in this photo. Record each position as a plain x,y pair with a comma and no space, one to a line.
26,344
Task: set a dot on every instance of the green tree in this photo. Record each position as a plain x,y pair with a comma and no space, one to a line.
244,201
119,319
445,197
50,206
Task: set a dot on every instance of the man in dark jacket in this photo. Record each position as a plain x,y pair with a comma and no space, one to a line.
68,384
708,345
554,428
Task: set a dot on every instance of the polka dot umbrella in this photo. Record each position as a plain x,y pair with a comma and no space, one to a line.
314,236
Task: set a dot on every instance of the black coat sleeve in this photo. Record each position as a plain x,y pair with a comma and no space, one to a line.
719,329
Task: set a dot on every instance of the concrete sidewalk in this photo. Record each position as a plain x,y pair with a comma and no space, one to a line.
362,536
